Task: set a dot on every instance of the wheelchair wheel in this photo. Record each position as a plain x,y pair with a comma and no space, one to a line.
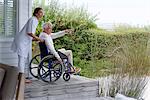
66,76
33,66
49,69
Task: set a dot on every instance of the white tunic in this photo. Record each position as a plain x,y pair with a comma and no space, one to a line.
49,41
22,41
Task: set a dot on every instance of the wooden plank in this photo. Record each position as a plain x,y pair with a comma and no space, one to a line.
73,82
88,94
38,98
78,88
39,87
21,87
74,88
62,92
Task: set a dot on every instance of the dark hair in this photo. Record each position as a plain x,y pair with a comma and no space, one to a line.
36,10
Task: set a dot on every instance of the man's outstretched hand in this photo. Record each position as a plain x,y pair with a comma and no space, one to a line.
69,31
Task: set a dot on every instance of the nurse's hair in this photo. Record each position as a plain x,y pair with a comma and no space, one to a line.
45,25
36,10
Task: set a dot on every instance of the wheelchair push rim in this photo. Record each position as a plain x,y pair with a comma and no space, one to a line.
49,70
33,66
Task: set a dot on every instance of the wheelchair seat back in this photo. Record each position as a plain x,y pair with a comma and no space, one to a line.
43,49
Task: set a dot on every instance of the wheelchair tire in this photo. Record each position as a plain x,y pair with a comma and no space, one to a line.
33,66
66,76
47,74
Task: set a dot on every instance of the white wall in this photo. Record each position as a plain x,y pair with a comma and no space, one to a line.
24,10
6,55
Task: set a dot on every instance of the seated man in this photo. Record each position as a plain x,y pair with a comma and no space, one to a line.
48,37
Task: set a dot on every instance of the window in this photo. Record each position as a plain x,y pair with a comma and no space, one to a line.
7,18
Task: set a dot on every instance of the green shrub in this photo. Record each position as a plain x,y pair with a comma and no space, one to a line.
90,44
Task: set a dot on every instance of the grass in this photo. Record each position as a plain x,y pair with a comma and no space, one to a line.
132,64
93,69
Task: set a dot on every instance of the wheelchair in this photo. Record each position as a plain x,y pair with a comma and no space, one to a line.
46,67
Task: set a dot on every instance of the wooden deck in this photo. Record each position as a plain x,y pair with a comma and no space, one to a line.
78,88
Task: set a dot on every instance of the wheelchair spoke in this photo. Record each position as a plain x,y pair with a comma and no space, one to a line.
43,69
45,66
49,70
34,67
37,60
57,74
45,74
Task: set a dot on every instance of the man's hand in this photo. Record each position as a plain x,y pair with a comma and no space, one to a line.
69,31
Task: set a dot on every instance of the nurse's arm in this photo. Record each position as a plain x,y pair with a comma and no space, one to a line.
35,37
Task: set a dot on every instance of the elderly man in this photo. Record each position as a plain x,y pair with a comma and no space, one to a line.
48,37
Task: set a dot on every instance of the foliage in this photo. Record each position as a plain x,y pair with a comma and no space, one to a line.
132,64
76,18
93,47
121,53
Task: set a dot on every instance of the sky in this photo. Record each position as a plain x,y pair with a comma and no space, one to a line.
110,12
133,12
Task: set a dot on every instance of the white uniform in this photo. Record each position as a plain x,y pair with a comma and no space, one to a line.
22,42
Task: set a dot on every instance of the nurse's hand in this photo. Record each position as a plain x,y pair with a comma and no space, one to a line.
34,39
41,40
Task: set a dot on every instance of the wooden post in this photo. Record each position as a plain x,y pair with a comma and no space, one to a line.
20,87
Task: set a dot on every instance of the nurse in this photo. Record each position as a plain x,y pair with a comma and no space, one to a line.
22,43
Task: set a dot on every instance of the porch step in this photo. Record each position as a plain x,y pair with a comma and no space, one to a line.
77,87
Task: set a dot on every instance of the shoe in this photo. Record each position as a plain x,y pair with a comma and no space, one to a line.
75,70
72,70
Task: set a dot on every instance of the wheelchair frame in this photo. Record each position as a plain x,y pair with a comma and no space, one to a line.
46,67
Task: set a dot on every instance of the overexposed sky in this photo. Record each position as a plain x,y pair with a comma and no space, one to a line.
134,12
